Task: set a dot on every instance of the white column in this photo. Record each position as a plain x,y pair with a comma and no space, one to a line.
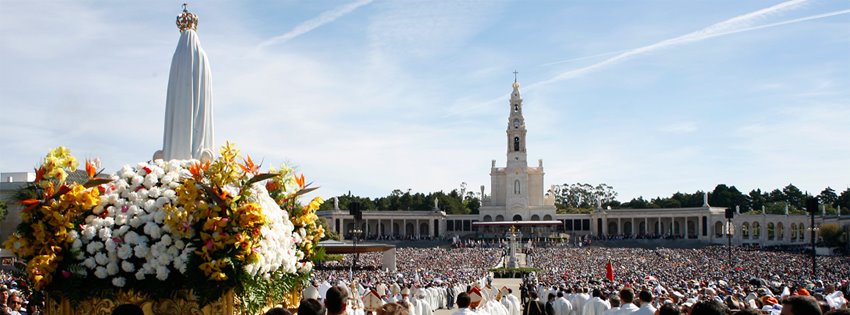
619,226
646,225
672,226
686,227
391,227
634,228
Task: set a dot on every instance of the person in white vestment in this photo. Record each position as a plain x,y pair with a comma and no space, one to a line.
596,305
627,295
576,301
614,300
562,305
517,305
422,305
646,308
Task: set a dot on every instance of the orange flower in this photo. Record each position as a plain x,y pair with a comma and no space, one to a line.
300,181
30,204
249,166
90,169
39,174
197,169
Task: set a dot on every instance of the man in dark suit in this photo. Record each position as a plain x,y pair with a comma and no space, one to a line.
550,307
534,306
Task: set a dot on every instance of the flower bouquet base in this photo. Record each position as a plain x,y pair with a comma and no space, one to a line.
181,303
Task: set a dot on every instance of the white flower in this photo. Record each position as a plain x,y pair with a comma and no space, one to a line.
120,231
150,180
158,216
112,268
101,259
141,250
164,259
90,263
119,282
93,247
162,273
77,244
150,206
104,233
131,237
165,240
125,251
136,181
153,230
140,275
100,272
88,232
110,245
136,222
128,267
170,194
154,192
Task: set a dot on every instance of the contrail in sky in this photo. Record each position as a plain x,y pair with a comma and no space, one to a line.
311,24
738,24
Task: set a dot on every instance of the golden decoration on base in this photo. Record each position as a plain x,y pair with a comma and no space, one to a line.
182,303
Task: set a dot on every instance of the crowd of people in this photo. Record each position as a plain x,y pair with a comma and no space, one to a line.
755,280
15,295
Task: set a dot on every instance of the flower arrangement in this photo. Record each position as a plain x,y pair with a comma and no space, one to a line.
208,227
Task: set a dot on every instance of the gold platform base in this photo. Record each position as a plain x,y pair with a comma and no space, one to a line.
180,304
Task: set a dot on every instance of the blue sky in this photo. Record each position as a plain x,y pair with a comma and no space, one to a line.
651,97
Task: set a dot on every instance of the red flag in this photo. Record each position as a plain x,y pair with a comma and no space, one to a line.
609,271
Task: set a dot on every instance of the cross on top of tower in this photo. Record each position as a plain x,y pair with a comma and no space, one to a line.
515,72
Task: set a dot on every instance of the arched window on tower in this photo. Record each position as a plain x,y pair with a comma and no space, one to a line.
516,187
516,143
516,107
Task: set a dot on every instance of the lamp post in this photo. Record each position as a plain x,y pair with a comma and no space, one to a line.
729,215
355,234
812,207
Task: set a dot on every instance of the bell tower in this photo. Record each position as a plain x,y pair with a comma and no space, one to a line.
516,170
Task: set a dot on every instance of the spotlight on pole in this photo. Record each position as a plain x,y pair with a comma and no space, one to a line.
812,208
729,215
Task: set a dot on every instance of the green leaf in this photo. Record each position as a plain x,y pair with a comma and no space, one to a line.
96,182
260,177
305,190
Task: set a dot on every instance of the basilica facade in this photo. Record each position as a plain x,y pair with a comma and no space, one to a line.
518,197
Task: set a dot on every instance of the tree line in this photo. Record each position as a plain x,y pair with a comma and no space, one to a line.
581,197
457,201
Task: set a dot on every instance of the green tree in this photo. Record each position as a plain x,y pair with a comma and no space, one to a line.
639,203
794,196
728,196
844,201
776,195
828,197
758,199
582,195
831,234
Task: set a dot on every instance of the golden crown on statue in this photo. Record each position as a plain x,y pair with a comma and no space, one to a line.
187,20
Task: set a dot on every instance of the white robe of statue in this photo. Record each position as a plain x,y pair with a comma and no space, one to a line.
189,103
